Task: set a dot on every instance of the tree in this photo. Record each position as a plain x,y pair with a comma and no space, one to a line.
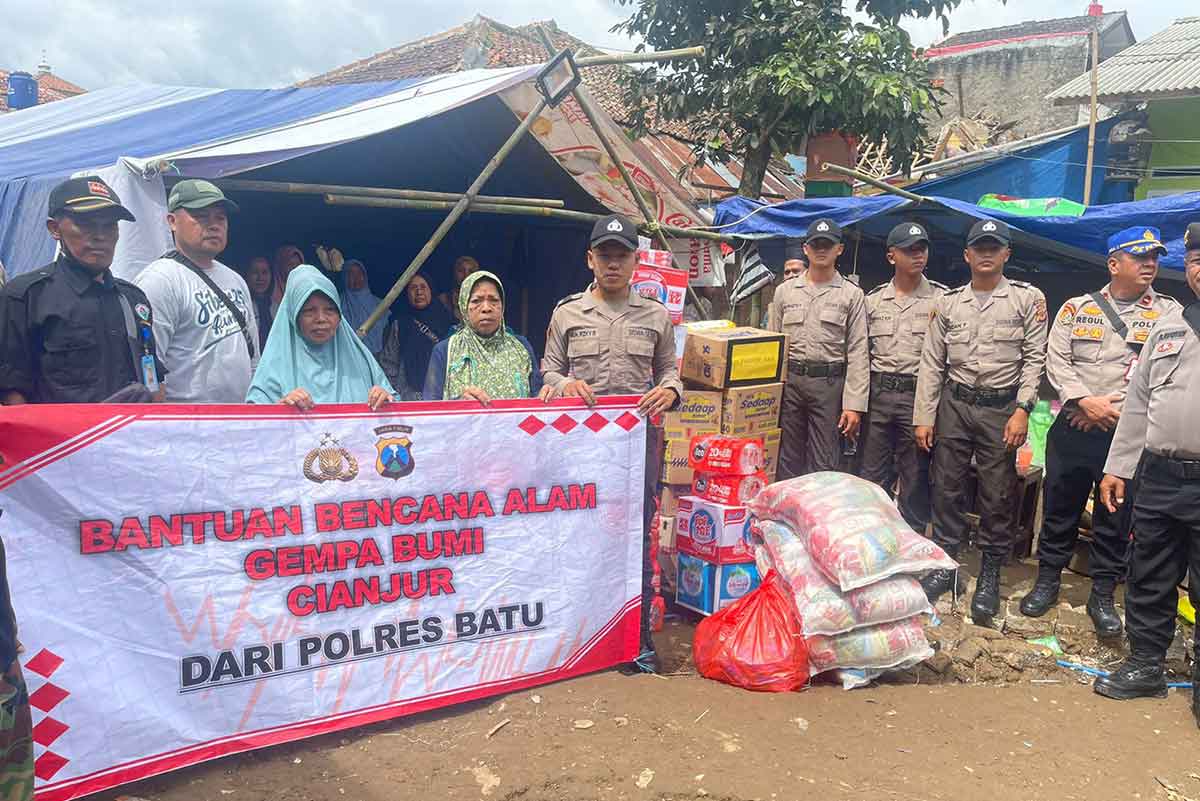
775,71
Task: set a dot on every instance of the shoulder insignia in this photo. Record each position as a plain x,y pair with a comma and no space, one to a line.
1066,315
568,299
877,289
1022,284
939,285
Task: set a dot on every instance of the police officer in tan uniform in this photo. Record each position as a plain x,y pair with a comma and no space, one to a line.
609,340
828,374
1095,342
1158,438
983,360
897,319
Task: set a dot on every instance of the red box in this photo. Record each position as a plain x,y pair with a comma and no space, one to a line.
713,532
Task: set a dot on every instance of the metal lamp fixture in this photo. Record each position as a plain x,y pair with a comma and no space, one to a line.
558,78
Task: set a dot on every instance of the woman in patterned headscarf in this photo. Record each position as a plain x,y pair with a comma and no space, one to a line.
484,360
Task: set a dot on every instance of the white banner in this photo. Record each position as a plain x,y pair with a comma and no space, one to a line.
197,581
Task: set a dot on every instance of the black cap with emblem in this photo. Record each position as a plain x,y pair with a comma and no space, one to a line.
825,228
615,228
906,235
989,229
84,196
1191,237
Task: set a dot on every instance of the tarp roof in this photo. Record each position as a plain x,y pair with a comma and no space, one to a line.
1062,240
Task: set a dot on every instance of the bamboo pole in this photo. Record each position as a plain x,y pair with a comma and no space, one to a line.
460,208
638,58
875,182
1091,147
500,208
291,188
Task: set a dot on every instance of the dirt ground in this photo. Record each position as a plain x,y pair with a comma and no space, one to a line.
991,717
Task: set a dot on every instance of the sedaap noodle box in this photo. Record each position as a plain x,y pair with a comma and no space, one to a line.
706,587
713,531
733,357
698,409
749,410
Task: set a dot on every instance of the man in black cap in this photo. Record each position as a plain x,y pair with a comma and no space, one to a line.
71,332
609,340
1157,437
794,260
897,319
980,369
828,380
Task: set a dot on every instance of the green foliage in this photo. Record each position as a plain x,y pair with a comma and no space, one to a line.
775,71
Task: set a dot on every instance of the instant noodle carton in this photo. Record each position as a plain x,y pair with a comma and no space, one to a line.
668,499
733,357
698,409
706,587
749,410
713,531
771,440
675,468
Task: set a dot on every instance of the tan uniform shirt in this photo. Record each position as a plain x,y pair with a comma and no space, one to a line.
622,349
997,345
896,325
1086,357
1160,409
826,323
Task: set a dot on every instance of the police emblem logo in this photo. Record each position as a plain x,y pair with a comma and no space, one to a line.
616,226
823,226
988,226
1149,315
97,188
1067,315
1148,235
394,459
915,231
143,312
329,461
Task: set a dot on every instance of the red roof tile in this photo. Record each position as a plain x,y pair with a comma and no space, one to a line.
50,88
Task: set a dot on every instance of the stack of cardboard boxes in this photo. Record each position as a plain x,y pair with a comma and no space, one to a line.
732,386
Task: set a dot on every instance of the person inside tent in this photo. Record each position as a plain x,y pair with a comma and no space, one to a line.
411,335
313,355
287,258
463,266
484,360
358,302
260,280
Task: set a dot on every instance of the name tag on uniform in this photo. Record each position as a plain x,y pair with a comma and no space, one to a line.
1133,363
149,373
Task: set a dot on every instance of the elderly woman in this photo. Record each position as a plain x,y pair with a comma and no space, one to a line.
358,302
463,266
484,360
287,258
411,335
313,355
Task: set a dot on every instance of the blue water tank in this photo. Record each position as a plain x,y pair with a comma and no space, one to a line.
22,90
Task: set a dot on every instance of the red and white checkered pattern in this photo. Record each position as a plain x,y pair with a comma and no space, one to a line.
44,698
566,423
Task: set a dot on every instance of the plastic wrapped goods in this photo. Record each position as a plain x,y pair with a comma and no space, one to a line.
850,527
730,490
823,608
733,456
891,645
754,643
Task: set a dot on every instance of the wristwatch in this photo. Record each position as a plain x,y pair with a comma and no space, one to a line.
1027,406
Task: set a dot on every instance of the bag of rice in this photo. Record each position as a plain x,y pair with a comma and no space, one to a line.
850,527
823,608
886,646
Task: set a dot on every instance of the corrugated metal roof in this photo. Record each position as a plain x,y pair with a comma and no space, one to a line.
1165,65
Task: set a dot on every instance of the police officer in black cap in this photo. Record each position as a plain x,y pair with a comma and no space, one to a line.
1158,439
70,332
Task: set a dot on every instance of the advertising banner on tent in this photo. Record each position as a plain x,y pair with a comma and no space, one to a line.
195,581
566,134
665,284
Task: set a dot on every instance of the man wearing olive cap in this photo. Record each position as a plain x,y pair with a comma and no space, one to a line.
204,319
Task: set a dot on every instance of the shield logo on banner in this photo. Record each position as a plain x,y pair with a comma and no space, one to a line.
395,459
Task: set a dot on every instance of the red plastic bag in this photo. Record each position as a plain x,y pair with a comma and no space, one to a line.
754,642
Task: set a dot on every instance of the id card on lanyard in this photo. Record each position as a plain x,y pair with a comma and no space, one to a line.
148,365
1133,363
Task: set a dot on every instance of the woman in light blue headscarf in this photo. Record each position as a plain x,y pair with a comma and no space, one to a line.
313,355
358,303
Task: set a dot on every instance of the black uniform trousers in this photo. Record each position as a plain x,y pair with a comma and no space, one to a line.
964,429
1166,545
812,406
1074,466
890,450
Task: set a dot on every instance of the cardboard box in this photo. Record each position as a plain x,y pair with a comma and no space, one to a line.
675,463
713,531
668,499
706,587
666,533
771,440
734,357
748,410
699,409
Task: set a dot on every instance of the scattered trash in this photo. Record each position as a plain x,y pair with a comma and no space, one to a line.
497,728
700,777
968,769
801,723
488,781
644,778
537,699
702,714
1091,671
296,761
1050,642
621,720
584,724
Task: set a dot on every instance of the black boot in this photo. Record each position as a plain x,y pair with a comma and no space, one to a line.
1044,595
1103,612
986,601
939,582
1139,676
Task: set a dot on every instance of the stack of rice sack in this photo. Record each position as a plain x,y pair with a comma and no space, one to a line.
851,563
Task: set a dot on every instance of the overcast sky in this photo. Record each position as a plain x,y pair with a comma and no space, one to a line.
248,43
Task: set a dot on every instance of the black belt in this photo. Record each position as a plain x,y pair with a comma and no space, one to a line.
896,382
818,369
979,396
1176,468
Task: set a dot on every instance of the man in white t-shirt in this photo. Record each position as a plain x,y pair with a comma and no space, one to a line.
208,351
